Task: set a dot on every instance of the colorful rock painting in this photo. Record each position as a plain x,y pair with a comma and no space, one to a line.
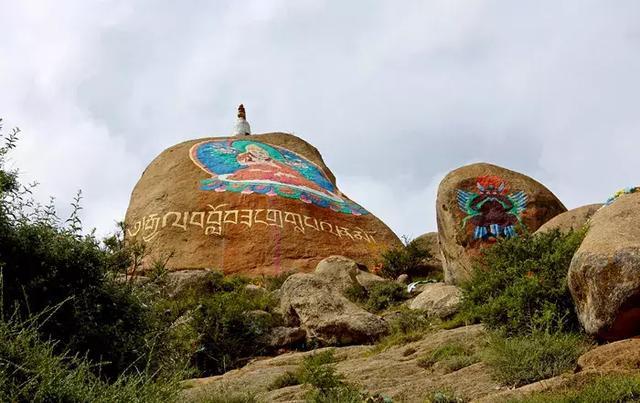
247,167
492,210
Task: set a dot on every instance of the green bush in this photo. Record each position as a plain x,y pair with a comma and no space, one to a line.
606,389
380,296
272,283
30,371
407,259
46,263
406,326
520,360
319,371
287,379
521,285
453,356
228,335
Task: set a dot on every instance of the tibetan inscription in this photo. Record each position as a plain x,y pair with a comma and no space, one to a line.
214,220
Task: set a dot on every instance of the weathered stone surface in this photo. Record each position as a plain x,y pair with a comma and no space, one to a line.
619,355
368,280
570,220
181,282
479,203
394,372
253,205
316,305
403,279
282,336
437,299
340,271
430,242
604,274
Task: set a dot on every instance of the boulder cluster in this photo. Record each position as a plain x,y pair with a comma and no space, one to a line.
265,204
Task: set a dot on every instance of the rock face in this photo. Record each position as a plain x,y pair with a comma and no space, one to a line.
258,204
318,307
570,220
395,373
604,275
438,300
479,203
429,241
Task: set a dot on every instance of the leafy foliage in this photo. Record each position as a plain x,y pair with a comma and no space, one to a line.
319,371
606,389
228,334
406,326
519,360
380,296
522,285
31,371
407,259
453,357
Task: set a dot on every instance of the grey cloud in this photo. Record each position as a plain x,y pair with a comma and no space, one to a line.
393,94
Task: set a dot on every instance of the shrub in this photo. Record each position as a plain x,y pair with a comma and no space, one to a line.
522,284
605,389
520,360
380,296
31,371
407,259
453,356
272,283
443,396
319,371
287,379
406,326
228,335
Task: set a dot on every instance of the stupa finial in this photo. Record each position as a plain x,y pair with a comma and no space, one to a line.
242,126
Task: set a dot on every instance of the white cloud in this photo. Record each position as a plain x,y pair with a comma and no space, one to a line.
393,96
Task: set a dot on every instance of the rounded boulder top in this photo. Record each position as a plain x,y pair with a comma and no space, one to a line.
258,204
479,203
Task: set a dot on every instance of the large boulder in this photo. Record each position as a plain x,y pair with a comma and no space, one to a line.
254,205
317,306
604,276
479,203
571,220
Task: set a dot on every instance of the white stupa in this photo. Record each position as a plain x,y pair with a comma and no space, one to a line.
242,127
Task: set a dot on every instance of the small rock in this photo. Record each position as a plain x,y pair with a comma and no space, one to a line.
403,279
282,336
438,300
339,271
255,291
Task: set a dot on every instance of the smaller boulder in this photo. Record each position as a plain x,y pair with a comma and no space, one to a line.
429,241
339,271
403,279
255,291
438,300
282,336
571,220
619,355
369,280
318,307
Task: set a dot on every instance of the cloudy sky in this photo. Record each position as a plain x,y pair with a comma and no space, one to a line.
394,94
